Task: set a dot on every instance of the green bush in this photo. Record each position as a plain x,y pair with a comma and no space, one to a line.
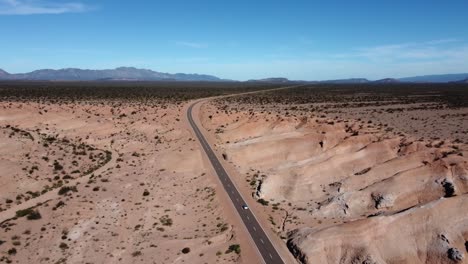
234,248
63,246
25,212
65,189
34,215
166,220
262,201
57,166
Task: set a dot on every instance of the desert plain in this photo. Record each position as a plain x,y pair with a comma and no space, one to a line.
336,173
98,174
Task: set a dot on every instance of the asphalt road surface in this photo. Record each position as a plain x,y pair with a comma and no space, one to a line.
263,243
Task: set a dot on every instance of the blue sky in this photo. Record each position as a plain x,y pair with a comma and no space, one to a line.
308,40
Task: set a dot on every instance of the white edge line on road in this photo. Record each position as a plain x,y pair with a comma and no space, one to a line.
190,112
190,118
259,223
256,219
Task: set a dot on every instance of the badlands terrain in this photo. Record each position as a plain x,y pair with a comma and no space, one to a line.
109,173
353,173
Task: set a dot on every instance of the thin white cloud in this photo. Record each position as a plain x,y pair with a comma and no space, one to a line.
36,7
429,50
193,45
378,62
441,41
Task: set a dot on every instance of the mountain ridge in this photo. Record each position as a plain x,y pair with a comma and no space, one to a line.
119,73
453,77
137,74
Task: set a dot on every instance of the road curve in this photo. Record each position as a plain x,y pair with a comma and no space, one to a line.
261,240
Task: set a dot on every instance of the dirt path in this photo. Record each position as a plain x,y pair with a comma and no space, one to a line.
52,194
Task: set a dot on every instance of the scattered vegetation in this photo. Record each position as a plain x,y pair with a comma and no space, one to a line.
139,91
359,95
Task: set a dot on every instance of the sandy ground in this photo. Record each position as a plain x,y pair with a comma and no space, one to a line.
352,185
109,182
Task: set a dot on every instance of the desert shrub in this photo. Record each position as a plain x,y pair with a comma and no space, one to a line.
63,246
12,251
234,248
65,189
24,212
166,220
57,166
253,182
222,227
263,201
58,205
34,215
186,250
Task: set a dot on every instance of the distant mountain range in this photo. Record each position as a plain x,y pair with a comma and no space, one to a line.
272,80
134,74
352,80
440,78
118,74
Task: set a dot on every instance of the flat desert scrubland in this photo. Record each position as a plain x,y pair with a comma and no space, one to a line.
354,173
106,175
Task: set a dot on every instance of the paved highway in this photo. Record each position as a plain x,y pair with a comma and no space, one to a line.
261,240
